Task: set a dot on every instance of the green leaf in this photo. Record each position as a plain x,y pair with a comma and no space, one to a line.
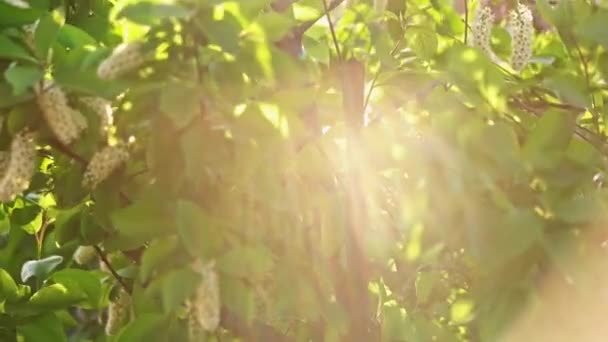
176,287
147,217
246,261
28,218
198,233
146,327
509,237
594,28
157,253
14,16
71,37
396,326
46,328
46,32
67,224
582,209
570,88
549,139
7,97
275,25
238,297
82,282
40,268
12,50
22,77
56,296
423,41
8,287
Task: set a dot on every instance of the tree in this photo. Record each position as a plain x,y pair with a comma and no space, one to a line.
299,170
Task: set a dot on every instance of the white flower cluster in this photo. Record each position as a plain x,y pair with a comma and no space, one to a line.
103,109
65,122
103,164
118,312
204,306
18,3
17,167
84,255
481,29
124,58
520,25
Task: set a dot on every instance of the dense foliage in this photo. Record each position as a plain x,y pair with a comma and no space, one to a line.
304,170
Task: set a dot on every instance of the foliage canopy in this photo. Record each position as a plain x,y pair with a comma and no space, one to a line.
376,178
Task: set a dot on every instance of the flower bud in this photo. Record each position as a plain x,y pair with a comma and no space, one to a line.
481,28
65,122
18,166
103,164
520,25
102,108
124,58
204,305
84,254
118,312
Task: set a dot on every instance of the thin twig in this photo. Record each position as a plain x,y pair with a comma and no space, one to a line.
65,150
305,26
376,76
105,260
331,29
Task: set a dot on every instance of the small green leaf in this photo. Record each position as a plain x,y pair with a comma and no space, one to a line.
22,77
11,50
71,37
56,296
8,287
549,139
14,16
40,268
570,88
46,32
155,254
176,287
423,41
82,282
594,28
67,224
198,233
145,327
146,217
46,328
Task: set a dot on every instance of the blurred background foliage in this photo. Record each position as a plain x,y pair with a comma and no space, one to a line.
376,179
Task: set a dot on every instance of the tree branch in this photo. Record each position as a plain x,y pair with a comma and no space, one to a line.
105,260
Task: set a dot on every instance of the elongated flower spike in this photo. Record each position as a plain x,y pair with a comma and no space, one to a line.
65,122
103,109
118,312
124,58
520,26
103,164
481,28
204,305
18,166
